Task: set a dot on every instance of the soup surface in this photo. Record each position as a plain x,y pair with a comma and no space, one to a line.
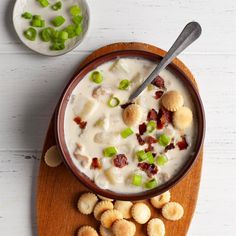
129,147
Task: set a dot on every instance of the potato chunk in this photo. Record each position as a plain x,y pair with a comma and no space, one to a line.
120,66
88,109
110,138
114,175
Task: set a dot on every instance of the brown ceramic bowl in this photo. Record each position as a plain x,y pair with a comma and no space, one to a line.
59,127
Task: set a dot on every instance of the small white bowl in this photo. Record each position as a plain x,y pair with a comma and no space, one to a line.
32,6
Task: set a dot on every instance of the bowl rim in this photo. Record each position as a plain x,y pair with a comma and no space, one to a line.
63,52
59,126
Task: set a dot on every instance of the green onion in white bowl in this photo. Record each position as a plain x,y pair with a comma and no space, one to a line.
51,27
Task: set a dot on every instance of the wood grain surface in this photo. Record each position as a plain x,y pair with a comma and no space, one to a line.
58,190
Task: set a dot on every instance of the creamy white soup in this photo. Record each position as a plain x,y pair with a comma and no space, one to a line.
129,147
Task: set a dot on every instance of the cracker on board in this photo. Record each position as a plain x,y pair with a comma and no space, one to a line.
172,211
109,217
160,200
123,228
52,157
141,212
155,227
87,231
102,207
124,207
86,203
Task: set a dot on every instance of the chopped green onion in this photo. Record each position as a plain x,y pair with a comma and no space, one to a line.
96,77
43,3
37,23
77,19
124,84
126,132
75,10
63,35
37,17
70,29
113,102
55,37
57,6
58,21
162,160
78,30
137,180
149,157
57,46
151,184
141,155
27,15
151,126
109,151
150,87
164,140
46,34
30,34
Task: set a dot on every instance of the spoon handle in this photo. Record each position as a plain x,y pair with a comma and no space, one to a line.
189,34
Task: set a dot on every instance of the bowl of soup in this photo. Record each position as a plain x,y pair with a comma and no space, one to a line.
129,150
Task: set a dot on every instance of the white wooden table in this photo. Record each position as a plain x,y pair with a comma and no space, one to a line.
31,84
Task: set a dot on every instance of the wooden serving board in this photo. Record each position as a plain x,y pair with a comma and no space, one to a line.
58,190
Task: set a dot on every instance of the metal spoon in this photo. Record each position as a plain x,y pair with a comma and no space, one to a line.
189,34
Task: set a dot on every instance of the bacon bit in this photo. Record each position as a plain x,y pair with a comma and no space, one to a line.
182,144
152,115
120,160
140,140
123,106
159,82
158,94
78,121
150,140
163,117
150,148
95,163
142,128
169,147
150,169
167,114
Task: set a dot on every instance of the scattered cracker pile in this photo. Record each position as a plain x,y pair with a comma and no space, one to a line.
115,217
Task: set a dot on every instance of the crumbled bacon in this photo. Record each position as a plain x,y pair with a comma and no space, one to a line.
142,128
123,106
158,94
140,140
150,169
96,164
169,147
82,124
152,115
167,114
182,144
159,82
120,160
163,117
150,140
150,148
